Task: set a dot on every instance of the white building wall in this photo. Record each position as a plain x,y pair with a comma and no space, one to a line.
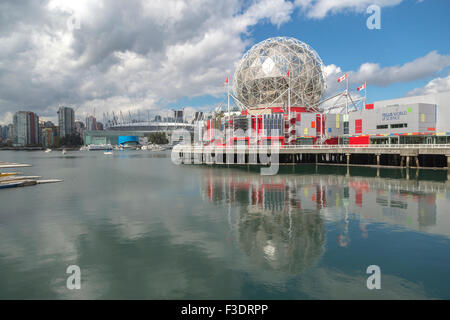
304,127
441,100
418,117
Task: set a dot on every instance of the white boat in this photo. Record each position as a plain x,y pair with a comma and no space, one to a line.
157,147
108,152
48,150
64,151
93,147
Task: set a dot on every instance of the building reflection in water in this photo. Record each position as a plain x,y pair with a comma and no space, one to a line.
280,220
270,225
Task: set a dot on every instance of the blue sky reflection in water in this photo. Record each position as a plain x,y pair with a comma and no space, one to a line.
140,227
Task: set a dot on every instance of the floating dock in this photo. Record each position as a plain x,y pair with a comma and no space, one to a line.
12,165
14,179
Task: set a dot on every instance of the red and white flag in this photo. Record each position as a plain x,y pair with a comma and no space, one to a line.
362,87
226,82
342,78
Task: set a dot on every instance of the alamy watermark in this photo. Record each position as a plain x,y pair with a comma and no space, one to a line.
374,280
73,22
374,20
74,280
215,148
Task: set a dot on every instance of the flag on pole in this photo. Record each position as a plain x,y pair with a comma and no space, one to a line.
362,87
288,73
342,78
226,82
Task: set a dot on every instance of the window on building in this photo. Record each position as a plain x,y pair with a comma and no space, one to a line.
358,125
346,127
382,126
399,125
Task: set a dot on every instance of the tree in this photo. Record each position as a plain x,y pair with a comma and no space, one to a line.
72,140
158,138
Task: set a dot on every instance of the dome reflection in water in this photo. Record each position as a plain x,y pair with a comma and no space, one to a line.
286,223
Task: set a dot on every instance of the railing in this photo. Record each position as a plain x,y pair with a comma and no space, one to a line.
155,124
325,147
376,146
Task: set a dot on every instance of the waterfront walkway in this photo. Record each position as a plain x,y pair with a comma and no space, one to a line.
400,155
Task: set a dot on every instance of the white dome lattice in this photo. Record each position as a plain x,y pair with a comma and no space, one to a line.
261,74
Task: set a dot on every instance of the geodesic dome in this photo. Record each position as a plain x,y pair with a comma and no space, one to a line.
261,75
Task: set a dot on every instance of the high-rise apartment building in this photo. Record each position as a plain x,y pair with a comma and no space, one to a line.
66,121
26,128
91,123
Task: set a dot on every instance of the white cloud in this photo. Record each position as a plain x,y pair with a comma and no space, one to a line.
419,68
318,9
374,74
333,72
144,54
434,86
126,55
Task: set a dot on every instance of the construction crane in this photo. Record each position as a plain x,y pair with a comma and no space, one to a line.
114,119
121,117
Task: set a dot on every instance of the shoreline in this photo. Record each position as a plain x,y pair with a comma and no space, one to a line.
37,149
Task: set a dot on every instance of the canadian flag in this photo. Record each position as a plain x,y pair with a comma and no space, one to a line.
342,78
362,87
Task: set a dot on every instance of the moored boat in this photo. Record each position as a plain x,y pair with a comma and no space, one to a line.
10,185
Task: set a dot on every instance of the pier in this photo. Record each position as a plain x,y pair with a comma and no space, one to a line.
378,155
15,179
12,165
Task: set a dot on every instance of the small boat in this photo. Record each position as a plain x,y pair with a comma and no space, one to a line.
10,185
7,174
64,151
108,152
48,150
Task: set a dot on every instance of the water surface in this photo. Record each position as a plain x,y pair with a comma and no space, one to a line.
141,227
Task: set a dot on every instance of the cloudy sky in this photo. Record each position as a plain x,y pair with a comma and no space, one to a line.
156,55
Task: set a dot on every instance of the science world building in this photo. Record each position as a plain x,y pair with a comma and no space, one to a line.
278,88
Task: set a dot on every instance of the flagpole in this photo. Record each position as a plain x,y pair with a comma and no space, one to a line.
228,94
289,97
228,105
365,94
346,95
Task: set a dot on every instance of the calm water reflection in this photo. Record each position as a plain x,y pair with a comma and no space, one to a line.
140,227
